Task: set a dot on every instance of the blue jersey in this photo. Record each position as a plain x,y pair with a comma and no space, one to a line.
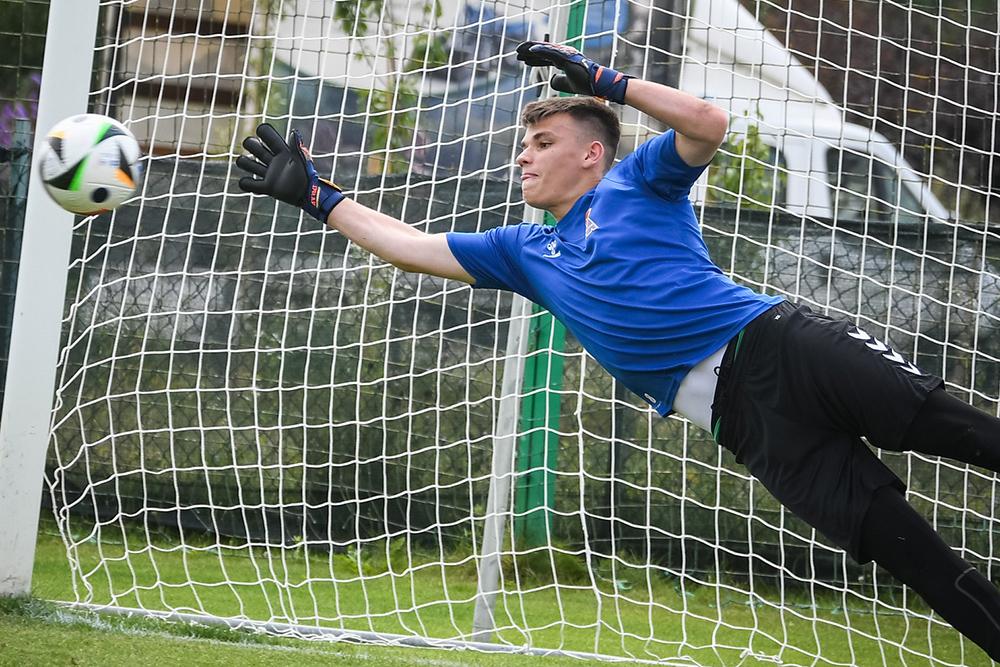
627,271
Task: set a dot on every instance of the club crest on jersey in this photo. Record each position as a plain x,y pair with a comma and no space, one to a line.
887,352
591,226
553,250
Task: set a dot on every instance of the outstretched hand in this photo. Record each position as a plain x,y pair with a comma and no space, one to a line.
286,173
578,74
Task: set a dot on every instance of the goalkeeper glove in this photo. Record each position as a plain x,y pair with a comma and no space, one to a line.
579,74
286,172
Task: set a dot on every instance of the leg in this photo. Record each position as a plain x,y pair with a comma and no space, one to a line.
896,537
949,427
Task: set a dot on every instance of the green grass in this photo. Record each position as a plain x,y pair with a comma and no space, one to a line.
386,591
34,632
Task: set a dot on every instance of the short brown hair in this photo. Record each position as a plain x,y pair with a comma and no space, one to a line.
598,115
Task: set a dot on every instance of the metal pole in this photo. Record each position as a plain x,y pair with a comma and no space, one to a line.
498,501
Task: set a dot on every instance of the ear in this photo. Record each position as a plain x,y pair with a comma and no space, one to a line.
595,155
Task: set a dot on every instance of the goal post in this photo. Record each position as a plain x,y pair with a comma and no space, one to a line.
41,294
255,423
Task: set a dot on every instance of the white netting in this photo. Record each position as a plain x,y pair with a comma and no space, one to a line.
255,419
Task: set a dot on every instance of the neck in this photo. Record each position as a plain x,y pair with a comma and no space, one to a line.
559,210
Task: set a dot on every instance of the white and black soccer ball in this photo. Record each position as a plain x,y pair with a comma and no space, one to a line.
89,163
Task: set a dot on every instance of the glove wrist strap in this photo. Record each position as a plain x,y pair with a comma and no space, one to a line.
609,84
323,197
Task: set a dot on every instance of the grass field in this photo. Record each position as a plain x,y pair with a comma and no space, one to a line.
435,601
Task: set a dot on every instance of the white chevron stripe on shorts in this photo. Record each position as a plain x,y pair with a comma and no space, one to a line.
887,352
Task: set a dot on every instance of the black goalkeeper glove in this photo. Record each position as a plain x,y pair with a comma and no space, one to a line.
579,74
286,172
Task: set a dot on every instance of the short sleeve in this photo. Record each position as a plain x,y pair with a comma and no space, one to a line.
657,162
491,257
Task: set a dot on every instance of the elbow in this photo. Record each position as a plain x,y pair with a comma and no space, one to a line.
716,124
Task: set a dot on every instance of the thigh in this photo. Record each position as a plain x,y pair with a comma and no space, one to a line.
948,426
825,477
838,377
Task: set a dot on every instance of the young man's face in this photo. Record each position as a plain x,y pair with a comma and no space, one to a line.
559,162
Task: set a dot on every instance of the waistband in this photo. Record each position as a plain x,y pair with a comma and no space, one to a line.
739,349
732,350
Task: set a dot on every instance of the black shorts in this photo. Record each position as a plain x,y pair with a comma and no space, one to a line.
796,392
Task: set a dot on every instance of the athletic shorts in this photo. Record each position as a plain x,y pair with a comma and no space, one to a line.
796,392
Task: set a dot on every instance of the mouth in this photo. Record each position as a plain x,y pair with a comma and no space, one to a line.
527,177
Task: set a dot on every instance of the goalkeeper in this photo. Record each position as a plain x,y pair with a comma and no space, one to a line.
790,392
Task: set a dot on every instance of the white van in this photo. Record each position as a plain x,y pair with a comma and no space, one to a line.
831,168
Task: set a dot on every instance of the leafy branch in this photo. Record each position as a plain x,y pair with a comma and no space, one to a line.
391,109
744,172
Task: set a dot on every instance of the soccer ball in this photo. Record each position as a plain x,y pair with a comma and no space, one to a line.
89,163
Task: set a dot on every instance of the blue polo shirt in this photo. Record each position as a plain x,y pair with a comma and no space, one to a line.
627,271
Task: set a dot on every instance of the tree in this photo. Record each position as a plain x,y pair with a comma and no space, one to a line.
744,172
392,108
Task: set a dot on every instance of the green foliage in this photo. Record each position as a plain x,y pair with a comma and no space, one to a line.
743,172
547,566
354,16
391,108
429,51
392,122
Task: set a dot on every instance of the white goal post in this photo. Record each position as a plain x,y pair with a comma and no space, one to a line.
45,251
236,416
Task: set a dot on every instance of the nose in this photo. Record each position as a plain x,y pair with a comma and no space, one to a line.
522,157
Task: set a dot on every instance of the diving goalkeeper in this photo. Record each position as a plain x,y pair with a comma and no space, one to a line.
790,392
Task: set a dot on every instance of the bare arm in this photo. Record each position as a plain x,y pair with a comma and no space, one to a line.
396,242
700,125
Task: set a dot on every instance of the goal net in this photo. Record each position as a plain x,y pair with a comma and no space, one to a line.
257,421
